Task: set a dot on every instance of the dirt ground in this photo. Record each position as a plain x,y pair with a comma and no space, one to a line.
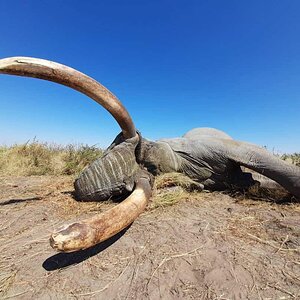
211,246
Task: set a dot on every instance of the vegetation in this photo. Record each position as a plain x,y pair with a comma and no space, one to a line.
171,188
36,158
293,158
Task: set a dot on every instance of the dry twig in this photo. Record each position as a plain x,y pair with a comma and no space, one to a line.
166,259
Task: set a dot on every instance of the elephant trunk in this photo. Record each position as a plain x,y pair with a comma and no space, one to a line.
265,163
112,175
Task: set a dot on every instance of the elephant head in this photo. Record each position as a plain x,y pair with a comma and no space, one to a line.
208,156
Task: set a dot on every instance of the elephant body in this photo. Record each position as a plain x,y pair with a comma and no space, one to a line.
214,159
206,155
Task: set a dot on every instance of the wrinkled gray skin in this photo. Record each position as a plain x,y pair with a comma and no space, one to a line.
208,156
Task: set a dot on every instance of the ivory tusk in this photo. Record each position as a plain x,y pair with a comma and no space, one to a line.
51,71
89,232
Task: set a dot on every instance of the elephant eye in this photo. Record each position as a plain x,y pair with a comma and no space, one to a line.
151,168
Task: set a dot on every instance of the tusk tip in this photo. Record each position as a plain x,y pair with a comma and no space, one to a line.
73,237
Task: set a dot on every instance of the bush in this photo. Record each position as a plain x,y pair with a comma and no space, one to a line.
35,158
293,158
77,157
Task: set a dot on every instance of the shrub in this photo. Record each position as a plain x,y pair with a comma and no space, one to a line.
36,158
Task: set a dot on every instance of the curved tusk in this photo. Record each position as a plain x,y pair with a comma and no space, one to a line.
48,70
89,232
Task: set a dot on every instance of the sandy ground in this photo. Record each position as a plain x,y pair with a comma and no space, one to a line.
211,247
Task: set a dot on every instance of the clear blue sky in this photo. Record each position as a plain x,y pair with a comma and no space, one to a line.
176,65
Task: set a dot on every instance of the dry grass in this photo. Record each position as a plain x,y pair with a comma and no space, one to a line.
171,188
7,278
35,158
169,197
293,158
176,179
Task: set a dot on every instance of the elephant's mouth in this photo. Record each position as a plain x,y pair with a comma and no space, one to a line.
86,233
152,168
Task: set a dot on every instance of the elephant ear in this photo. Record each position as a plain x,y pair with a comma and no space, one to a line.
192,158
265,163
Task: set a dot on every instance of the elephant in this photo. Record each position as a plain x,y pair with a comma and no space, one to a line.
210,157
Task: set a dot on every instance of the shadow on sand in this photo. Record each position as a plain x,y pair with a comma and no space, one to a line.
16,201
62,260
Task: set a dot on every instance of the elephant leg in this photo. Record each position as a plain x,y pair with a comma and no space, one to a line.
241,180
234,178
215,183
